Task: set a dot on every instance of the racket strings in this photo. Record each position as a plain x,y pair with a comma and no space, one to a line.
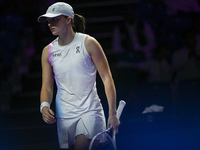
103,142
105,146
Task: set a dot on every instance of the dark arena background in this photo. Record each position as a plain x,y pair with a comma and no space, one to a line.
157,74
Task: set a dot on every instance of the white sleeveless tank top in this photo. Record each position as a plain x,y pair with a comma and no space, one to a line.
75,76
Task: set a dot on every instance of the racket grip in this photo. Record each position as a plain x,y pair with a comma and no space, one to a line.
120,108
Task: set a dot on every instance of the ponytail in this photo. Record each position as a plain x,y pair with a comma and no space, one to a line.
78,23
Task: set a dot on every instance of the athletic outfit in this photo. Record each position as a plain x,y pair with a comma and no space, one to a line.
78,107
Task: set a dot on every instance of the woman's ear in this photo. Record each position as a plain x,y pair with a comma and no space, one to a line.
69,20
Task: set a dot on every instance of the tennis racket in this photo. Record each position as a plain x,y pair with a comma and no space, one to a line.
105,140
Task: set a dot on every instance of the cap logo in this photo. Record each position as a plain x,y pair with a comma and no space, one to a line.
53,9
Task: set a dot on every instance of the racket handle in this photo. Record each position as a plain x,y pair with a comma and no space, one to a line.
120,108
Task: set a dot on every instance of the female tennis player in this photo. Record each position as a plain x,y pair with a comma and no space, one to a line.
73,60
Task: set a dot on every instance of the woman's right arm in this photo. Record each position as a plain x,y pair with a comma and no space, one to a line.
46,94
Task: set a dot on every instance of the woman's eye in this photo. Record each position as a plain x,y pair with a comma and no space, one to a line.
53,20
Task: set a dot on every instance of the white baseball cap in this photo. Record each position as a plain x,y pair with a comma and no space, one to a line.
57,9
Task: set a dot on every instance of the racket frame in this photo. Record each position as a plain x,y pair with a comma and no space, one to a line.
120,108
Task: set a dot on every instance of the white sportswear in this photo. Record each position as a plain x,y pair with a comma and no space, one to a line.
75,76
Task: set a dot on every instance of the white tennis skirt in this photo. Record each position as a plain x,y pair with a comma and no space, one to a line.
88,124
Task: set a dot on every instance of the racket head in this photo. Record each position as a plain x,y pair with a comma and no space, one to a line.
102,141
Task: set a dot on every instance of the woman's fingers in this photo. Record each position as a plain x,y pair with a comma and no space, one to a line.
48,116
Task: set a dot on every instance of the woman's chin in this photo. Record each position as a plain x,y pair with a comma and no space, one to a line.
54,33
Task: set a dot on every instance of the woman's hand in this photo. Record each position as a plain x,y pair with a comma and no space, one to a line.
114,122
48,115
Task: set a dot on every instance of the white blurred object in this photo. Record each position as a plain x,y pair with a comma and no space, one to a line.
153,108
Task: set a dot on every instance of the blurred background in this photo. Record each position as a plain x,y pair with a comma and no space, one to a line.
153,48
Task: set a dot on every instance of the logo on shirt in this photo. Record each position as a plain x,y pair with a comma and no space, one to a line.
78,49
57,55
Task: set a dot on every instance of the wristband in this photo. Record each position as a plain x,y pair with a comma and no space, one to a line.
43,104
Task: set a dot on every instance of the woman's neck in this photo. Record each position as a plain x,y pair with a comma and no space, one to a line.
66,38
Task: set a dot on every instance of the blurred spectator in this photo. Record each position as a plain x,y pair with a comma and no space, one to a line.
187,6
17,41
159,68
23,60
133,36
186,61
196,26
158,86
28,49
10,29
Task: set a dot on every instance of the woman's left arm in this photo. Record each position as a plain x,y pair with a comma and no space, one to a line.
99,58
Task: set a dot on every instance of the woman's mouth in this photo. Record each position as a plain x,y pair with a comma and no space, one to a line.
52,29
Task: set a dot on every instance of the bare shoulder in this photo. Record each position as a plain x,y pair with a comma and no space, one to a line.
45,53
45,49
92,44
